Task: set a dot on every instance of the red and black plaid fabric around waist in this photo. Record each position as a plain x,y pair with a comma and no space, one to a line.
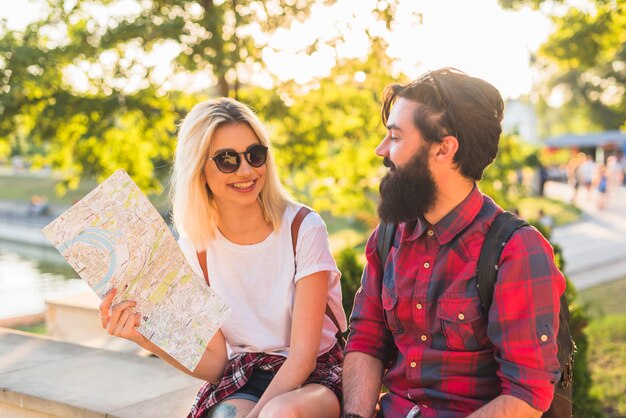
327,373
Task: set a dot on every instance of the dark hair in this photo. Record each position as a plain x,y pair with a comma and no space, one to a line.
453,103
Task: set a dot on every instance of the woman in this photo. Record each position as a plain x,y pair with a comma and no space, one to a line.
281,356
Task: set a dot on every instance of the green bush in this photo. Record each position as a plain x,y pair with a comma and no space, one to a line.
351,270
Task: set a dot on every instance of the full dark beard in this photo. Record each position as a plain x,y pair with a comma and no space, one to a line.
409,192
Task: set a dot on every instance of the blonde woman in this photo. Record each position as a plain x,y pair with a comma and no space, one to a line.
277,354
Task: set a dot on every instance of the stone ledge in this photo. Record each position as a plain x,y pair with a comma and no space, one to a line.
40,377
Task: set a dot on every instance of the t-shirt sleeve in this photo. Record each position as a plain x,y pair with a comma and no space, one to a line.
313,249
190,254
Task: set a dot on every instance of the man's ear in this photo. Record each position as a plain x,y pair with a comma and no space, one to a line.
446,149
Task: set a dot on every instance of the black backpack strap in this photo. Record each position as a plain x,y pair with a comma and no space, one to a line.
386,234
498,235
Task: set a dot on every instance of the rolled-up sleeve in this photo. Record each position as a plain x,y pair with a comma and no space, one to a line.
524,319
368,333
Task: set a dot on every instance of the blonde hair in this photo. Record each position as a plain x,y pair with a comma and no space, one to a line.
194,211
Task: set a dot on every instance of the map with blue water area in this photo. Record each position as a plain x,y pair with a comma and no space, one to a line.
114,237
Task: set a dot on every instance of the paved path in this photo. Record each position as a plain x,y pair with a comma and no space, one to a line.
594,248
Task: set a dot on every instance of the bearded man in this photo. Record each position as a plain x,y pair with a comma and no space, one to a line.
417,326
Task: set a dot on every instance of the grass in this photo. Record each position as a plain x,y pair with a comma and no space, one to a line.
562,213
22,187
605,299
39,328
607,343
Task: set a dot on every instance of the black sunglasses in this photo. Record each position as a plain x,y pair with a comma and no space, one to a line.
228,160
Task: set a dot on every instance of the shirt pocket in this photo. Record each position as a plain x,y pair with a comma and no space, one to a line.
460,321
390,304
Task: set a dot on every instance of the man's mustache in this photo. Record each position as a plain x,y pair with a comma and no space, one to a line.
387,163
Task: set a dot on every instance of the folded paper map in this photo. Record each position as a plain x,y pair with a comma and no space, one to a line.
114,237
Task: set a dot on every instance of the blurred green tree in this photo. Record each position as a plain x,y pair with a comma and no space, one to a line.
584,60
81,90
500,180
325,136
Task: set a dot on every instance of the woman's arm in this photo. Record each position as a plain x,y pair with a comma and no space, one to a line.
121,320
306,332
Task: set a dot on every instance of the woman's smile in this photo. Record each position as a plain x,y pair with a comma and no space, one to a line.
243,186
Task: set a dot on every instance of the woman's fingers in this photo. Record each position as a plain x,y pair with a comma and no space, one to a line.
117,311
121,323
105,307
132,322
128,329
119,319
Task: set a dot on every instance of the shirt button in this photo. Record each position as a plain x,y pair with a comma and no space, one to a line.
413,364
418,306
430,232
461,316
544,338
426,265
423,337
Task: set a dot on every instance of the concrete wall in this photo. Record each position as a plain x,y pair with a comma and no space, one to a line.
40,377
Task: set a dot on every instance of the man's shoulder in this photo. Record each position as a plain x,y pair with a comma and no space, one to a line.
488,212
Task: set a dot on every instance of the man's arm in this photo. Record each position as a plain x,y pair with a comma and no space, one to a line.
362,379
524,322
506,406
370,344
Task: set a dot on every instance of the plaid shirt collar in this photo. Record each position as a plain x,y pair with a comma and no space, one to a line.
452,224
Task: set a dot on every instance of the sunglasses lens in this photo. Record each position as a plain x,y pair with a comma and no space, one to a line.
227,162
256,155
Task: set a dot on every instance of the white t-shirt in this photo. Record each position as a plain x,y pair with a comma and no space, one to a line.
257,281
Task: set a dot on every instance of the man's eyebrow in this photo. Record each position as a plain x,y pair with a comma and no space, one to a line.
393,126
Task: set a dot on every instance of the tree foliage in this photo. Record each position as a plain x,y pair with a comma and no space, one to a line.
325,136
500,178
585,60
78,90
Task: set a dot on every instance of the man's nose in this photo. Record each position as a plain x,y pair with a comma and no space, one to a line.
382,150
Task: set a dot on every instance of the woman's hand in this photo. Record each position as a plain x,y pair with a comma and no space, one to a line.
120,319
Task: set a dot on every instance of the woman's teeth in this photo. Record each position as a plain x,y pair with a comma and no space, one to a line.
242,185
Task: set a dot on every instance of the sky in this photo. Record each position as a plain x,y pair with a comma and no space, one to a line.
474,36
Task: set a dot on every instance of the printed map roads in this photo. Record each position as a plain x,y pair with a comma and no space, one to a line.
114,237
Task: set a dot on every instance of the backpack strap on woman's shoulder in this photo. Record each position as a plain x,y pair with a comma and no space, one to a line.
203,266
295,225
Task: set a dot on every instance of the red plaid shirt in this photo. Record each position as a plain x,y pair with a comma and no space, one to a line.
327,373
422,316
